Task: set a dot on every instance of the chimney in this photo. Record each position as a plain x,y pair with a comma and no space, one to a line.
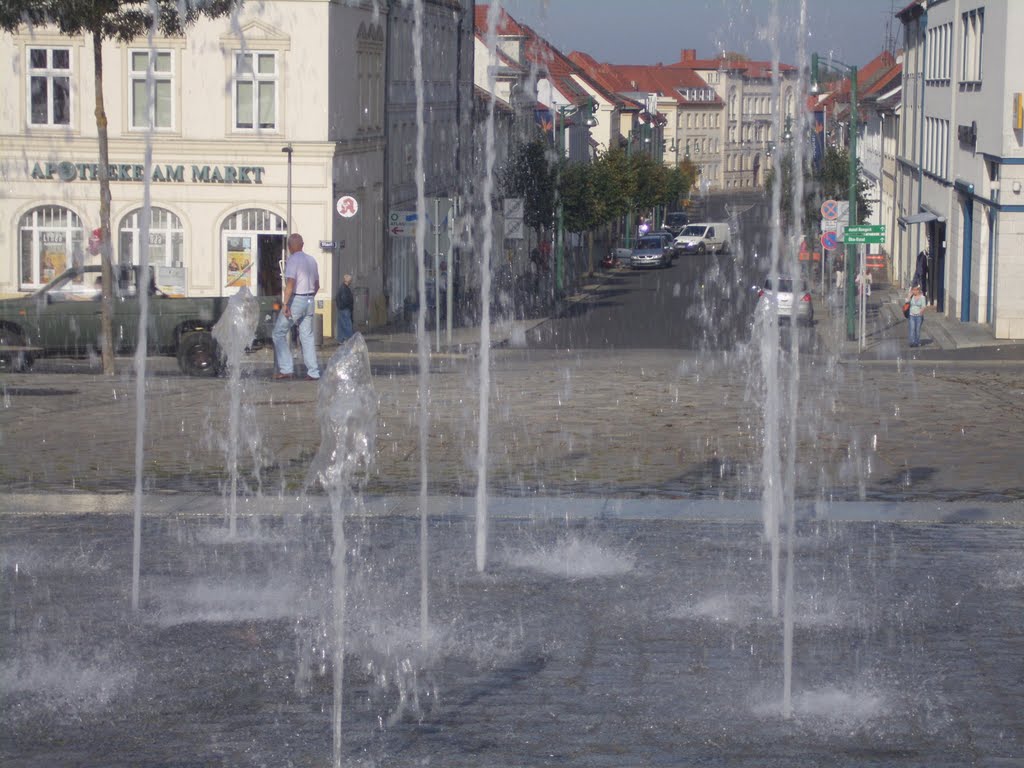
688,54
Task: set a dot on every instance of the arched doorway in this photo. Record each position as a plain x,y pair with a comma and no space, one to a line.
252,247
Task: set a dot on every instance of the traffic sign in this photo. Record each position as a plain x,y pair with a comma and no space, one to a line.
856,239
829,241
514,229
347,206
402,223
866,229
835,210
512,207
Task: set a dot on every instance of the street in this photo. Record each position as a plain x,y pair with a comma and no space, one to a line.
648,385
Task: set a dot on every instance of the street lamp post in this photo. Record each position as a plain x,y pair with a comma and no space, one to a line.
851,249
288,224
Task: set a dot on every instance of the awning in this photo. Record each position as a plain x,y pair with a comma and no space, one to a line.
921,218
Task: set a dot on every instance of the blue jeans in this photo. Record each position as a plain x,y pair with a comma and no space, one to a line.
914,326
344,325
303,309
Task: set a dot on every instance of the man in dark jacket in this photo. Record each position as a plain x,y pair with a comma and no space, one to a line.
921,272
344,303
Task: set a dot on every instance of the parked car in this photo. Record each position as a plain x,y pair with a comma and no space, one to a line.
712,236
652,251
791,298
675,221
63,317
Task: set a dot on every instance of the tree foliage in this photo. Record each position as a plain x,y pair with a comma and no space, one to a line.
593,194
124,20
829,182
100,20
530,174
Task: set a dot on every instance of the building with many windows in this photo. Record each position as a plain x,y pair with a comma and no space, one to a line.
446,73
960,180
228,131
751,102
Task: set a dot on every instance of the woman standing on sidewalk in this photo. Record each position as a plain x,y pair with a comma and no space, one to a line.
918,304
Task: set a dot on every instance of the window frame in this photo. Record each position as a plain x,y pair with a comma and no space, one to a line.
973,27
166,237
142,76
254,78
49,74
34,224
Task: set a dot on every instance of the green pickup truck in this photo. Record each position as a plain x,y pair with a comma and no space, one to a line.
63,318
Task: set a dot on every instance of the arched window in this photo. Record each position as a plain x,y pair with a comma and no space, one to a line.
166,238
50,241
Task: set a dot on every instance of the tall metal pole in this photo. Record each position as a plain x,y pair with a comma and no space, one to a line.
288,223
559,235
629,212
851,250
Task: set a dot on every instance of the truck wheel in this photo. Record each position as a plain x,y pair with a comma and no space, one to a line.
701,249
14,361
198,354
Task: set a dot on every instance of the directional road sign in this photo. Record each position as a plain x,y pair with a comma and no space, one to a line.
866,229
855,239
402,223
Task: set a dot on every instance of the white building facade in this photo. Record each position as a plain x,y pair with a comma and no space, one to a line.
282,104
961,186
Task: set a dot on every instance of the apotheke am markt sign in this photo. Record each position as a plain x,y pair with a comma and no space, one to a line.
200,174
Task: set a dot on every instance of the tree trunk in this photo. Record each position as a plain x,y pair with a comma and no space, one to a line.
590,253
106,243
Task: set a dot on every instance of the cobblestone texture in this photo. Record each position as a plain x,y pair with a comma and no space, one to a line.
636,424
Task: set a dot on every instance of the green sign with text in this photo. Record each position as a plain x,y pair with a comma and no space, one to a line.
201,174
862,239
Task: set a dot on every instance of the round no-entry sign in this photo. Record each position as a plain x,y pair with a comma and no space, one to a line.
830,210
829,241
347,206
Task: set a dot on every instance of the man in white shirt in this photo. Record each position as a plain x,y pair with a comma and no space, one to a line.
301,282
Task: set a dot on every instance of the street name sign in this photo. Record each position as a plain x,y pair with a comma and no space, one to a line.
854,239
860,234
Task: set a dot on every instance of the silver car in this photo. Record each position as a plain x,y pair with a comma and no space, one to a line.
652,251
791,298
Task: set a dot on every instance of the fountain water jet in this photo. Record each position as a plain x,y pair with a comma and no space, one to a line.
234,332
142,348
347,413
483,420
422,342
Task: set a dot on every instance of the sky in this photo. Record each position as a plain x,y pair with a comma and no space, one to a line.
653,31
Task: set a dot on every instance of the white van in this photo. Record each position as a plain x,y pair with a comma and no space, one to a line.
713,236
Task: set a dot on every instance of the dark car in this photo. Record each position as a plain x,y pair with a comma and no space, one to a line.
675,221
